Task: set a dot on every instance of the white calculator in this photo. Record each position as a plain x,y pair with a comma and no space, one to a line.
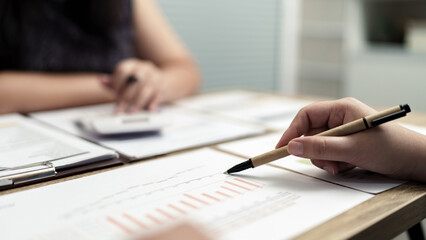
124,124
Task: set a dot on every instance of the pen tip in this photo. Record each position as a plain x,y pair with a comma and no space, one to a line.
226,173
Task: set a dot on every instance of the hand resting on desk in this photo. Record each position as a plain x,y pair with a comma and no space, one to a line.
147,91
389,149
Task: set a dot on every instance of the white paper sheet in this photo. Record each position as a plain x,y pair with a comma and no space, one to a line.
187,130
415,128
271,111
267,203
219,100
356,178
25,141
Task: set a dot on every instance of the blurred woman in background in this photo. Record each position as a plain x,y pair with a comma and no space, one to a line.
59,53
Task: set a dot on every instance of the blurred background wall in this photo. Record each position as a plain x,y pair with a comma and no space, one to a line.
235,41
374,50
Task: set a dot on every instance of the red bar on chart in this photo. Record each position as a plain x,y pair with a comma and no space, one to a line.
119,225
230,189
152,218
211,197
164,213
223,194
196,199
234,184
177,209
246,182
188,204
136,221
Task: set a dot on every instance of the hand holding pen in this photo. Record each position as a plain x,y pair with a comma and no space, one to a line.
388,149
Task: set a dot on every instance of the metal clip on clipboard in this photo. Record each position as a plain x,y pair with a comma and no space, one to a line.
22,174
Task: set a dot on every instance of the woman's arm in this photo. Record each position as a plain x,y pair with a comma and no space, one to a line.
165,69
32,91
156,41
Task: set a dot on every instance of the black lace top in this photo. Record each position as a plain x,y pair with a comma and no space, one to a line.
64,35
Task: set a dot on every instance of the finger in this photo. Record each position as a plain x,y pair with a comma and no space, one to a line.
315,131
146,91
321,116
325,147
129,83
155,103
127,94
332,166
157,97
344,167
293,130
144,98
127,97
120,107
121,73
329,166
312,116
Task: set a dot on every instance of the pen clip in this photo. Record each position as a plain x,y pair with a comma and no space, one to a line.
392,116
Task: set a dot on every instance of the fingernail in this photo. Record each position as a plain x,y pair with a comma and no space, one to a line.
295,148
329,169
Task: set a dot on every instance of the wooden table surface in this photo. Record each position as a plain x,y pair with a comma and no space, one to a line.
382,217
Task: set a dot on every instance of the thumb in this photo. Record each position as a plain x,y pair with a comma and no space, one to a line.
328,153
321,147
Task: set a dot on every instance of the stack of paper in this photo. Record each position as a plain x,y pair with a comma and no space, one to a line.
187,129
26,141
30,150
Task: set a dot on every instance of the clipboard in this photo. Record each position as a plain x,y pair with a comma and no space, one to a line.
43,172
34,152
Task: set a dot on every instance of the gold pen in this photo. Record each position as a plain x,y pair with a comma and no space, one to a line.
345,129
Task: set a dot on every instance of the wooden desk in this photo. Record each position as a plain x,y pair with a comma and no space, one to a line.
382,217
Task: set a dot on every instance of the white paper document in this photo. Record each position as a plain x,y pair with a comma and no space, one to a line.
266,203
186,130
25,141
219,100
273,112
415,128
358,179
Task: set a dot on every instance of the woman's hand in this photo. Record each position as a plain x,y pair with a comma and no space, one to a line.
137,84
388,149
171,72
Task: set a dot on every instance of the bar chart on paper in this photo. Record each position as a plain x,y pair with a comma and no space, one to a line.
145,197
200,194
214,200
